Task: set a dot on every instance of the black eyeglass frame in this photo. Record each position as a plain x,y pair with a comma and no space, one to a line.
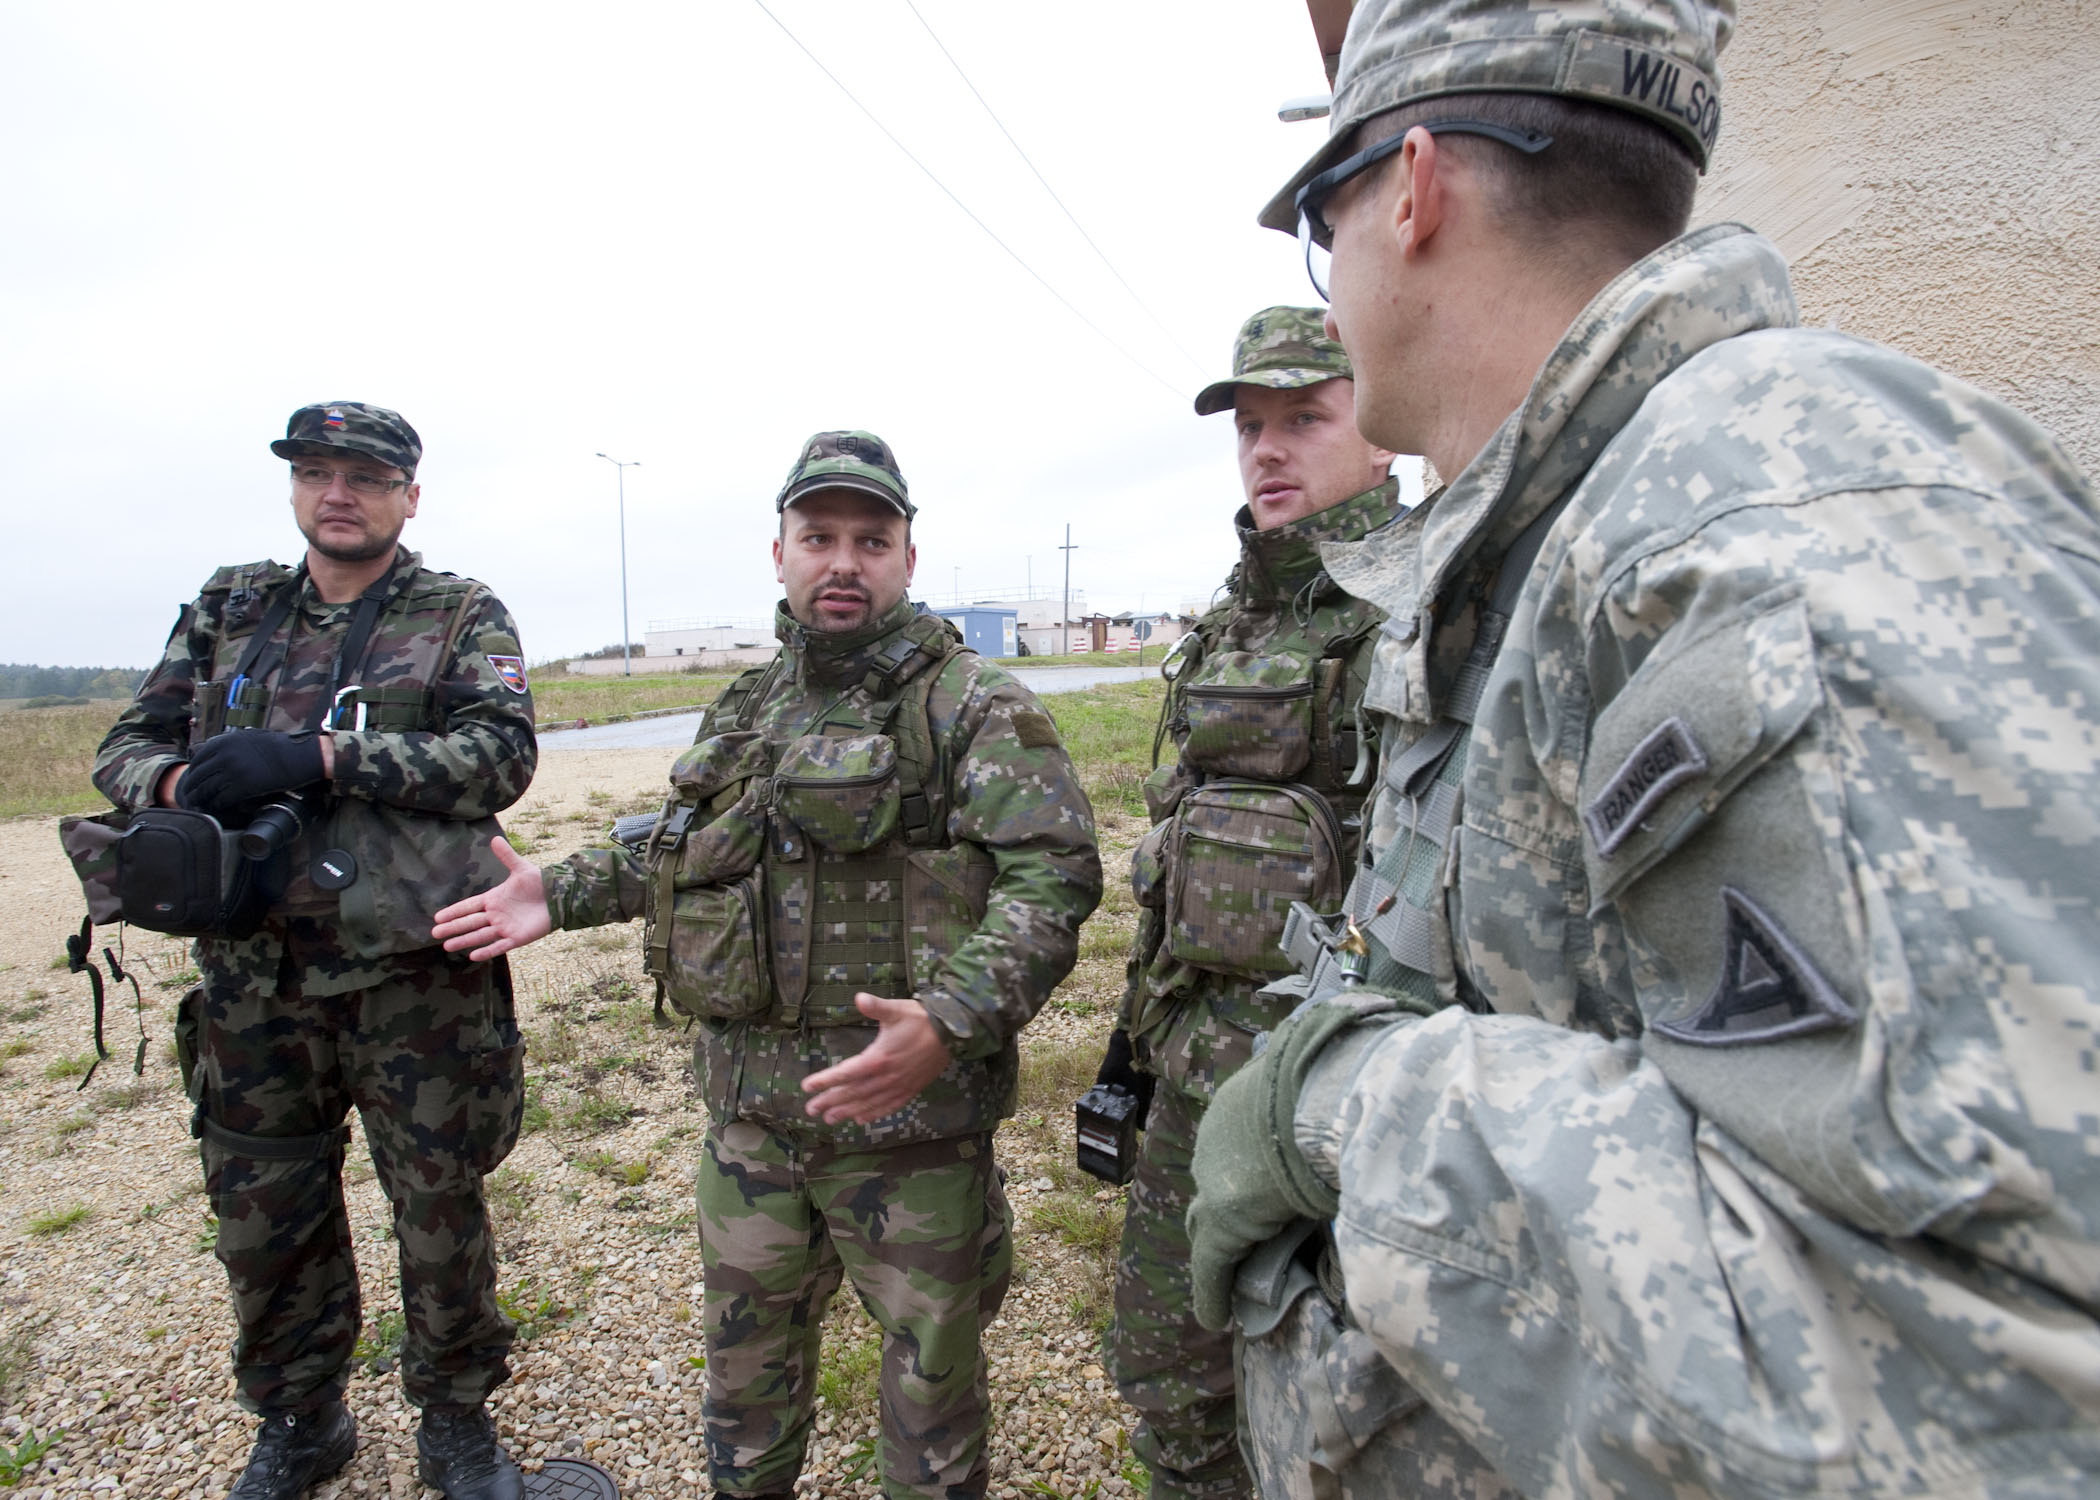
1307,199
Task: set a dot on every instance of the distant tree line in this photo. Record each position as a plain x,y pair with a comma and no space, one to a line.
18,680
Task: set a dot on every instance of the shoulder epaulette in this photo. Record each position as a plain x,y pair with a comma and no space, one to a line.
255,575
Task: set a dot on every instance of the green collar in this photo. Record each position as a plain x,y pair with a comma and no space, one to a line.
838,659
1278,563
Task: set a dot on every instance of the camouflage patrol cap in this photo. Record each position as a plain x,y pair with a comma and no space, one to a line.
847,460
1655,58
1282,348
354,427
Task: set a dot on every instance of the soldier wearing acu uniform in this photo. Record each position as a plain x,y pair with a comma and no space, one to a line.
869,875
1260,805
1712,1112
393,700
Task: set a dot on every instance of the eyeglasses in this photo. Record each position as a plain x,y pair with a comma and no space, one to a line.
314,477
1316,235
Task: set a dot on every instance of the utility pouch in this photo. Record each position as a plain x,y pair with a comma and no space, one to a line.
1250,715
1240,853
1148,866
91,848
713,962
842,791
714,764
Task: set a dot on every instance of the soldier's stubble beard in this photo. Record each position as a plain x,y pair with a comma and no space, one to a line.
373,546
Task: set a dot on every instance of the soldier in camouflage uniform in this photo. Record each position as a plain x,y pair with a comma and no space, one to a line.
393,700
1263,714
868,877
1711,1111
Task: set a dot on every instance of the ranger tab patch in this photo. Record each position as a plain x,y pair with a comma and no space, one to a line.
1668,755
1768,991
512,670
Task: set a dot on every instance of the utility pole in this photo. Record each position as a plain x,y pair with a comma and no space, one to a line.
1064,628
626,653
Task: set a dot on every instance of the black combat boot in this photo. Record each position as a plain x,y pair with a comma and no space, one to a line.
457,1452
296,1449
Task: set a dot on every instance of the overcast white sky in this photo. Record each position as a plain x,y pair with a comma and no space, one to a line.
655,230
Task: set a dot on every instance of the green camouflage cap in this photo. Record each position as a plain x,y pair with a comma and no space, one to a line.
847,460
1282,348
355,427
1655,58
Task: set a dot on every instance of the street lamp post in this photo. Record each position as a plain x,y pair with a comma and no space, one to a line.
626,651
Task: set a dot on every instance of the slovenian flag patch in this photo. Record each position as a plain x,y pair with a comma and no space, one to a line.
512,670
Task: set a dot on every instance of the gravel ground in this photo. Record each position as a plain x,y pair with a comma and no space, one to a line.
114,1326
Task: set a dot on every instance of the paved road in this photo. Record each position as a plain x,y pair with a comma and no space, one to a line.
674,731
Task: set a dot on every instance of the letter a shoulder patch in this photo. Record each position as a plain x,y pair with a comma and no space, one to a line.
1769,990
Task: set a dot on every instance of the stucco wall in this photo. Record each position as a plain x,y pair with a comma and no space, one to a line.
1932,170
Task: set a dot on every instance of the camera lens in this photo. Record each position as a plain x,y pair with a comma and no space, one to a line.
272,829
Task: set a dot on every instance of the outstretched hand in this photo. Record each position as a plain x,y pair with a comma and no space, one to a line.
496,921
906,1055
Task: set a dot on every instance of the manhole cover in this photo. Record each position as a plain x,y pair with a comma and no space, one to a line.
571,1479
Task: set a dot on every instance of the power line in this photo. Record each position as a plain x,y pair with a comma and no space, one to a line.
978,94
1064,301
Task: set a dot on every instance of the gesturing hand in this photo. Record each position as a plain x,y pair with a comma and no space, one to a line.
496,921
906,1055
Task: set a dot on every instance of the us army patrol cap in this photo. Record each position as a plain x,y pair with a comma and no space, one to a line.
1282,348
848,460
1654,58
354,427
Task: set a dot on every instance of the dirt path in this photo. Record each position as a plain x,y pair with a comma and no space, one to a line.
114,1326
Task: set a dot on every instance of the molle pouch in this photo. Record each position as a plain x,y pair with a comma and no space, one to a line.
1148,866
711,766
1250,715
91,846
1240,854
842,791
209,711
713,959
726,847
1164,789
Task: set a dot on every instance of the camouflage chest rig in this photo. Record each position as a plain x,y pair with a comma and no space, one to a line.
1263,806
789,872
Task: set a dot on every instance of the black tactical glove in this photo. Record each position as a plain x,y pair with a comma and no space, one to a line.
230,771
1119,1068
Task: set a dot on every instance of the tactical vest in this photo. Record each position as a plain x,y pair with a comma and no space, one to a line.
784,878
1263,807
404,861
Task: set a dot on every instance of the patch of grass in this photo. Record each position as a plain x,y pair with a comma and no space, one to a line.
207,1239
597,1163
181,979
17,1355
73,1124
556,696
1053,1075
536,1116
59,1220
379,1344
18,1047
509,1194
555,1044
533,1310
851,1365
1081,1221
519,840
1107,731
593,1112
46,758
21,1459
635,1173
130,1095
68,1067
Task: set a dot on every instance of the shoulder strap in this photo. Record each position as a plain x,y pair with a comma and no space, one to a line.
919,760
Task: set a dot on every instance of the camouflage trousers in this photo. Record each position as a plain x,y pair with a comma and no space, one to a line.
1324,1417
1175,1373
925,1233
432,1060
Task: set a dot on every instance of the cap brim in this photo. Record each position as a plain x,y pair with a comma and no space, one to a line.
291,448
1281,212
1218,396
812,485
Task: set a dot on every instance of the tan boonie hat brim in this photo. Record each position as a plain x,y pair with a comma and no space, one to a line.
1218,396
1439,48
